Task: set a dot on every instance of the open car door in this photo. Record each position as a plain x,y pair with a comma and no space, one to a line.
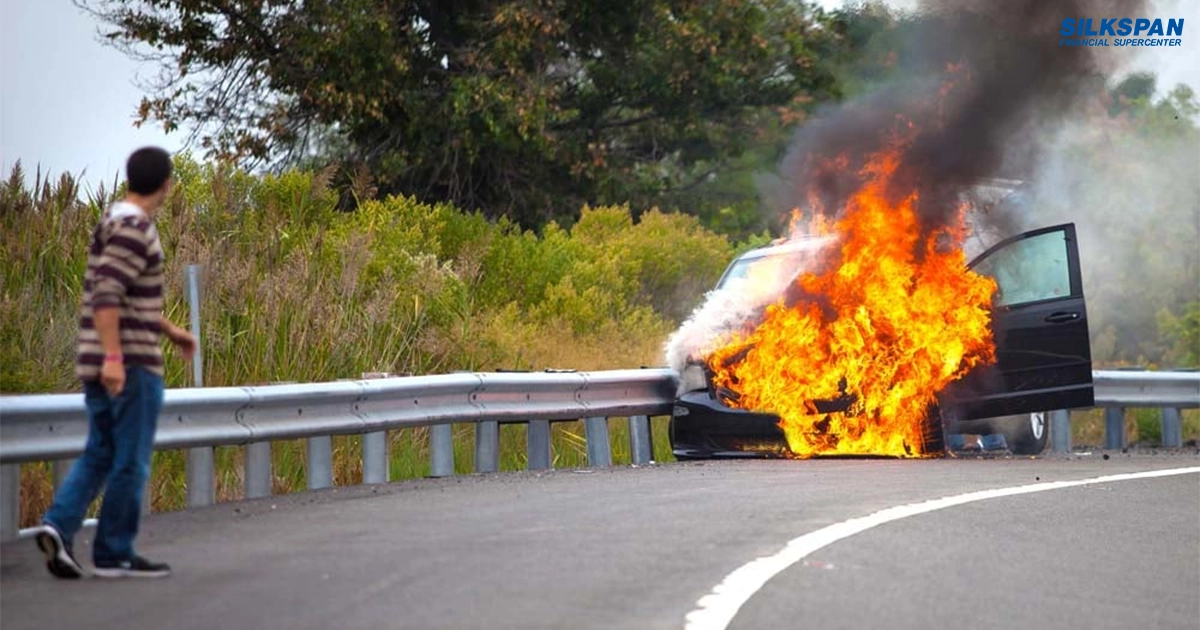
1043,351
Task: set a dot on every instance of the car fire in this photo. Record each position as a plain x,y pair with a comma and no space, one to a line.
889,319
869,332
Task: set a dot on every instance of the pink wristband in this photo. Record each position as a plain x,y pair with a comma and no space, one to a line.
113,358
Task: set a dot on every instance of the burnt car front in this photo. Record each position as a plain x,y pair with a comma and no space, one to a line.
703,426
704,423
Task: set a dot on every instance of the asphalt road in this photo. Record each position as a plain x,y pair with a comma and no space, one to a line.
637,548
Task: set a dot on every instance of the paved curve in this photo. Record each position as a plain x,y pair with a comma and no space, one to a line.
636,548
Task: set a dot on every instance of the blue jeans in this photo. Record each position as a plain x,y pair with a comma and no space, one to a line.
117,458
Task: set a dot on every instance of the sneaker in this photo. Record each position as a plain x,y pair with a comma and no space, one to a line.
137,567
59,559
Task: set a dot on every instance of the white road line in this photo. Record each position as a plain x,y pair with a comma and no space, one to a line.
716,610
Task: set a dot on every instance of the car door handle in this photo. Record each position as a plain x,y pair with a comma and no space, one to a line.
1061,317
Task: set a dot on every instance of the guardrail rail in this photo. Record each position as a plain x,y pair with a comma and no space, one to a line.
53,427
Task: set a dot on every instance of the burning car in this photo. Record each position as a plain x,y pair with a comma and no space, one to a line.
813,360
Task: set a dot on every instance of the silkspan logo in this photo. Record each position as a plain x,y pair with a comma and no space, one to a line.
1116,31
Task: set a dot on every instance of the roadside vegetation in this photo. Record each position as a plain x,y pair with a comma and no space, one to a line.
295,290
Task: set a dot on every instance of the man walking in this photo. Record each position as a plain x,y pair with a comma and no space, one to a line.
119,360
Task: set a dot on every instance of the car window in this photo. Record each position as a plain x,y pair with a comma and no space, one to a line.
1029,270
777,267
740,270
773,270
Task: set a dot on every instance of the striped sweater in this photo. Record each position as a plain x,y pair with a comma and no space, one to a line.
125,271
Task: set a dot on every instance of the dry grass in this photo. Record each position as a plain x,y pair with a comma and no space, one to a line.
1142,427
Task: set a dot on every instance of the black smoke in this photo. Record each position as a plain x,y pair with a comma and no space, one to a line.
1008,80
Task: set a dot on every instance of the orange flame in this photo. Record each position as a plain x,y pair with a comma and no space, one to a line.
894,318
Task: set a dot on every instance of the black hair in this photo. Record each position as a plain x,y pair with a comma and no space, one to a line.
147,170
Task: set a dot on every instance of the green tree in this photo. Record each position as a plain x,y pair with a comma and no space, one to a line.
521,109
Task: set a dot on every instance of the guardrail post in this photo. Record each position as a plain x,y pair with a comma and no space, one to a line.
640,452
598,451
1172,429
320,462
258,470
62,468
147,497
537,444
375,457
487,446
193,283
1114,428
10,501
200,476
441,450
1060,430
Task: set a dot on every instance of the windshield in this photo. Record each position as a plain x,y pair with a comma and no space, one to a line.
775,266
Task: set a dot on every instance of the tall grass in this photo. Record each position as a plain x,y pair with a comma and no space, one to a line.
295,290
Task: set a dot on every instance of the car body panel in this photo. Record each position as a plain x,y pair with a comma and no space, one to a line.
703,427
1043,349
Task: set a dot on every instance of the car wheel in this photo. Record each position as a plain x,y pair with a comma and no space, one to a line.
1026,434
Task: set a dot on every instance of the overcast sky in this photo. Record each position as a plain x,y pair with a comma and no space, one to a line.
68,102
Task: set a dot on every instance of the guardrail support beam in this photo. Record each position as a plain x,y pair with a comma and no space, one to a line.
148,496
1172,428
537,444
598,450
1060,430
441,450
1114,428
258,470
10,501
375,457
487,446
62,468
201,474
320,462
640,447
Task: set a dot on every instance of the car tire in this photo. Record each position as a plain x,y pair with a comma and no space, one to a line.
933,434
1026,434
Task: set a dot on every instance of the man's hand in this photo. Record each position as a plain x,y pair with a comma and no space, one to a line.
181,338
108,328
112,377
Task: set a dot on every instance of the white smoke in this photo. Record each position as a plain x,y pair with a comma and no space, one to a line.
735,306
1132,190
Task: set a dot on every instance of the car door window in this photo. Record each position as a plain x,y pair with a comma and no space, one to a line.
1029,270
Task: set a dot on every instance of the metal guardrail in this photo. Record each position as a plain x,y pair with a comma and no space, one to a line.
54,427
1117,390
1121,388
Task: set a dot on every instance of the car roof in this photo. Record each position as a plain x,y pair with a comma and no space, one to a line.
795,244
